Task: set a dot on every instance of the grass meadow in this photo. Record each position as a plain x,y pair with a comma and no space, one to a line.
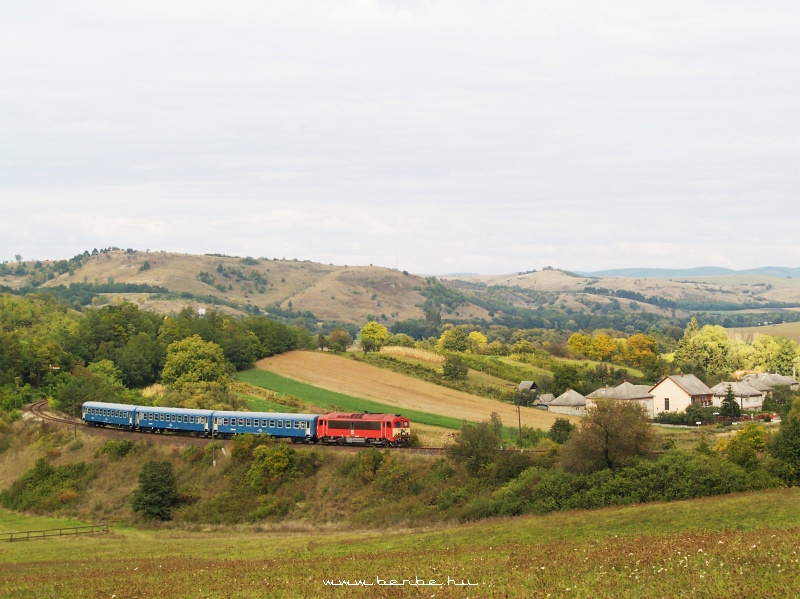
731,546
329,400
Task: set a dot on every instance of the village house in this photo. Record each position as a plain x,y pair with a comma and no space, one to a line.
543,401
677,392
746,396
624,392
772,379
570,403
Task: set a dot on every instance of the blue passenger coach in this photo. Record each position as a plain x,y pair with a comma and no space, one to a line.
297,427
156,420
97,413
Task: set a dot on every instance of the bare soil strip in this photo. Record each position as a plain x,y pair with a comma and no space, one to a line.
342,375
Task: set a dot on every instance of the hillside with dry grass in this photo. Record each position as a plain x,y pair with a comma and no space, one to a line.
341,293
355,294
736,289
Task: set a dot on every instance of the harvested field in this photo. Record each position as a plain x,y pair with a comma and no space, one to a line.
340,374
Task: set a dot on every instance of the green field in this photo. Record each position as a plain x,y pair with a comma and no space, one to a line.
330,400
13,522
732,546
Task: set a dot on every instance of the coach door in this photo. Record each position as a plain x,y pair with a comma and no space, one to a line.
352,428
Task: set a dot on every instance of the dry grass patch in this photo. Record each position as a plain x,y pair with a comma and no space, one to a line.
422,355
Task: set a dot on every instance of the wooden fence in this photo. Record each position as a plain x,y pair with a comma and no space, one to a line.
31,535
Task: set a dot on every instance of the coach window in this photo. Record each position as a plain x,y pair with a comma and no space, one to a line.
272,424
224,422
241,421
296,424
248,422
280,423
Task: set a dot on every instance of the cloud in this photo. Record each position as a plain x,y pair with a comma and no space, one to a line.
438,135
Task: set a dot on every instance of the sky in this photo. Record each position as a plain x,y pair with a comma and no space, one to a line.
430,136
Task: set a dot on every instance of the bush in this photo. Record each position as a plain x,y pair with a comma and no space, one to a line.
46,487
454,368
157,493
117,449
561,430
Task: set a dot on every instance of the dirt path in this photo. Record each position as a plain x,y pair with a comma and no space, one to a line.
340,374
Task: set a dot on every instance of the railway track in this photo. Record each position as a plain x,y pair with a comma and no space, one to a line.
40,409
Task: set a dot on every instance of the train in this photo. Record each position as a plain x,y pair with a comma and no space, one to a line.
335,428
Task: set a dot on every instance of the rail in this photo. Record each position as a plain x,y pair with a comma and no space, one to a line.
32,535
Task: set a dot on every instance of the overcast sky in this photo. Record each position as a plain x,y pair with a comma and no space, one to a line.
431,136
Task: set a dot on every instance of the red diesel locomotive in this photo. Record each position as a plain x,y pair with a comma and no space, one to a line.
381,430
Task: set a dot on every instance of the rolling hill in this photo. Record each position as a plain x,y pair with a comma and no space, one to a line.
354,294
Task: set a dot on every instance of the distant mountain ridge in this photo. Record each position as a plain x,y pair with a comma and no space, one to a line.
700,271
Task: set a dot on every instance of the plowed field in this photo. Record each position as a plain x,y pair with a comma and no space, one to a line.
340,374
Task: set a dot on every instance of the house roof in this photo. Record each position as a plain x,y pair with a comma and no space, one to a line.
569,398
602,392
624,391
771,379
759,385
527,386
544,399
739,389
688,382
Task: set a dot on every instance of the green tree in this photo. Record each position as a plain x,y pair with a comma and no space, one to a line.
730,407
193,360
140,360
453,339
157,492
612,434
745,446
561,430
475,447
566,376
785,446
322,341
454,368
704,352
373,336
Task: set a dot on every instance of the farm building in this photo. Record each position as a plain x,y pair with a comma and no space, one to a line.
570,402
543,401
677,392
624,392
746,396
